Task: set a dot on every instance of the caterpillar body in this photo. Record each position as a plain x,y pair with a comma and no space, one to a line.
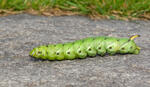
90,46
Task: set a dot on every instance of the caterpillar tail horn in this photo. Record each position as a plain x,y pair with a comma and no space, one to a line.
133,37
137,47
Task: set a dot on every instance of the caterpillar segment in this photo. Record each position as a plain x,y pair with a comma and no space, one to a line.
86,47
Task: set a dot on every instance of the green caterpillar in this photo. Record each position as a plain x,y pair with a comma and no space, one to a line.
86,47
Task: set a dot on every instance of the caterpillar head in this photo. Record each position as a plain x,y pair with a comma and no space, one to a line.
38,52
129,46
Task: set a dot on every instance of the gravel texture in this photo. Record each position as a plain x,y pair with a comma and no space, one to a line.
20,33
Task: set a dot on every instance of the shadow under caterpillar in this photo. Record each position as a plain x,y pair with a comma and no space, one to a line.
86,47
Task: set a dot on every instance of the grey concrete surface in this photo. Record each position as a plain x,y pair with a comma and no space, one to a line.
20,33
